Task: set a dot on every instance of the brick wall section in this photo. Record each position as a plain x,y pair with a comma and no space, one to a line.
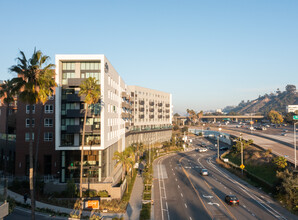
45,147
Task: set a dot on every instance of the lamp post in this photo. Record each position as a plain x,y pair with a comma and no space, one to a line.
295,143
241,152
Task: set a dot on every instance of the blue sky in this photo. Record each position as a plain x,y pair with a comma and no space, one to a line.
208,54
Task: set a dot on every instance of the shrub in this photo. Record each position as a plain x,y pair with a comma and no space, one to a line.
103,193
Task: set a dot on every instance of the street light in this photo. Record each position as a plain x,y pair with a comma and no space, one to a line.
295,143
241,152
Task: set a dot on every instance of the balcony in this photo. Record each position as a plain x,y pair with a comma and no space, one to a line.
151,116
127,124
167,111
125,95
75,98
160,104
167,105
141,109
77,113
159,110
75,129
125,115
141,116
151,109
126,105
151,103
159,116
74,82
167,116
141,102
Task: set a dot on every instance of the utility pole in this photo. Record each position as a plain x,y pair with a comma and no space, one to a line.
295,144
241,153
218,146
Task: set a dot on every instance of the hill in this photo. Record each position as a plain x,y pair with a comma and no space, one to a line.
262,105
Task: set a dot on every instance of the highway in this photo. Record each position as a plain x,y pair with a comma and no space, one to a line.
269,139
180,192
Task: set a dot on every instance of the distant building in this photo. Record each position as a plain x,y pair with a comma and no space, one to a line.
218,110
291,108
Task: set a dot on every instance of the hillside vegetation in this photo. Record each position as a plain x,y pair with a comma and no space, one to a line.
274,101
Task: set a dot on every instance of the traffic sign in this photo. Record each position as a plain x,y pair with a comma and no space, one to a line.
242,166
295,117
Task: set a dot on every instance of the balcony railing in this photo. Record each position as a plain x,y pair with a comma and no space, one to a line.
141,109
160,104
141,102
77,113
159,110
151,109
151,116
159,116
167,111
74,98
141,116
167,105
75,129
151,103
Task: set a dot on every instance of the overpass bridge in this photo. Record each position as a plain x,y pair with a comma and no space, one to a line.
234,117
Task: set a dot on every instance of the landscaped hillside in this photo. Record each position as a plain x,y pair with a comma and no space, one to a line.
265,103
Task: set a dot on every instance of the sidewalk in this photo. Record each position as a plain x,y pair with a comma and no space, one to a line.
135,203
19,198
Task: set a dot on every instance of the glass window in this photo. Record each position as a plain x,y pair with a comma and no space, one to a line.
48,109
48,136
27,138
48,122
27,109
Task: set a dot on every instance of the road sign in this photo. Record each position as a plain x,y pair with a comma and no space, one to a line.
92,204
242,166
295,117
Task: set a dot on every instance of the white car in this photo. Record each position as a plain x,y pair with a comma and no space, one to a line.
203,150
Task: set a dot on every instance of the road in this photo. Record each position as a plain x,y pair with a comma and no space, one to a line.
180,192
270,139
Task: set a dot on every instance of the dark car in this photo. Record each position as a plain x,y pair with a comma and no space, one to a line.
232,200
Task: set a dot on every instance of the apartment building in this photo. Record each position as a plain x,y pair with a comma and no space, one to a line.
123,115
152,116
106,120
43,125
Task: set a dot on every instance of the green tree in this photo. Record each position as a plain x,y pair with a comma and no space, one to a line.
29,85
275,117
288,188
280,162
7,92
90,90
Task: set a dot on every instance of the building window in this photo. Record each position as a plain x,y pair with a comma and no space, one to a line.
27,109
48,122
27,138
48,109
28,122
48,136
68,66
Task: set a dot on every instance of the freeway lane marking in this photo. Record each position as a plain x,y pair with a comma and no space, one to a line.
213,203
178,186
210,197
181,194
185,205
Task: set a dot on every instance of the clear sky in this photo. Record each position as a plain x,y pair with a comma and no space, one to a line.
208,54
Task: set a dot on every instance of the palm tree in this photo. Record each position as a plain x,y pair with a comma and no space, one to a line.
7,90
28,84
90,89
121,158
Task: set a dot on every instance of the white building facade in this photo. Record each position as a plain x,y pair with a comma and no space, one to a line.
110,122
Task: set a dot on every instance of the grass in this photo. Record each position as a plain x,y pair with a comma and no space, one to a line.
265,170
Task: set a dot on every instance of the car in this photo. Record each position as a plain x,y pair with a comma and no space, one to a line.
232,200
283,134
285,130
237,126
204,172
203,150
